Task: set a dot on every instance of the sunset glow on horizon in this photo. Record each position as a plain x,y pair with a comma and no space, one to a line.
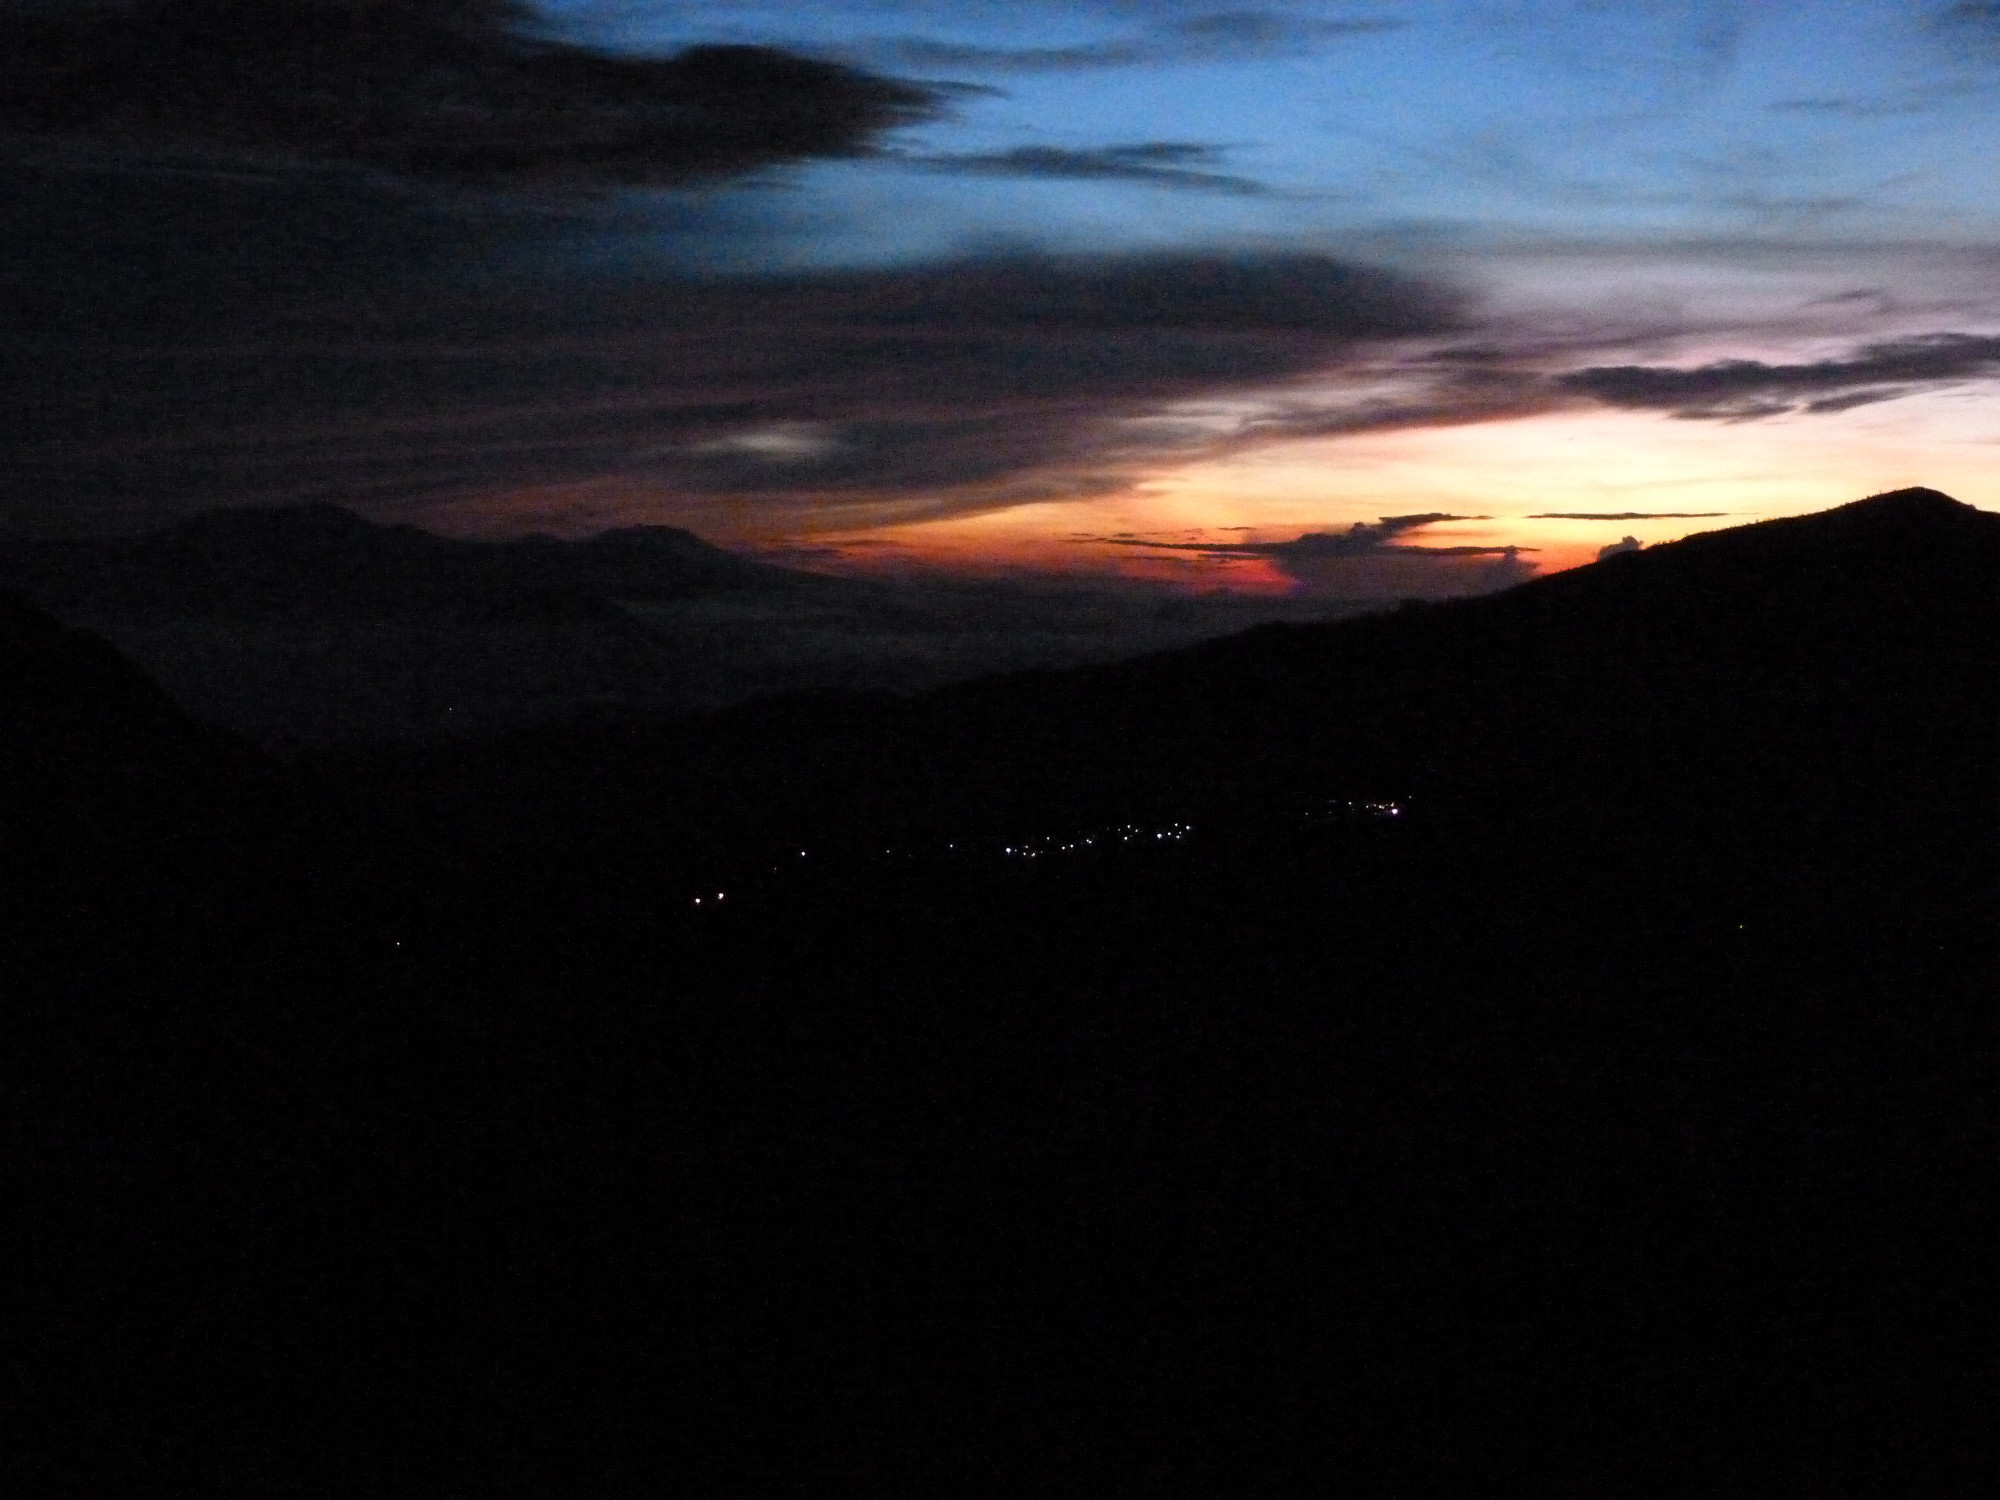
1560,486
1652,479
1071,291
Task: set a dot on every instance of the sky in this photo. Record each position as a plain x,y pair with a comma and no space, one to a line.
1341,300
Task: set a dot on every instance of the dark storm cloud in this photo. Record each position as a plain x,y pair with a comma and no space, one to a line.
1209,36
458,89
1745,389
873,394
921,53
1168,164
915,383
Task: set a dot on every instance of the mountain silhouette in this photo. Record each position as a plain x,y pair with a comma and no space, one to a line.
311,624
135,832
99,764
301,561
1616,1113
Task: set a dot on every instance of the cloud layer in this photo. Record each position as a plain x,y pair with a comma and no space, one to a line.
841,397
456,89
242,269
1168,164
1739,389
1205,35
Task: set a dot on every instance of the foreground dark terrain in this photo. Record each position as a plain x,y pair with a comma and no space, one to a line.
1543,1041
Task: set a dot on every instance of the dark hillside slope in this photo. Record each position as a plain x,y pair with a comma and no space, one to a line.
127,823
1817,691
171,900
1809,691
111,793
1522,695
196,1024
1621,1119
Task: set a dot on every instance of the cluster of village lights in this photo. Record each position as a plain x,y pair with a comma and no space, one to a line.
1122,835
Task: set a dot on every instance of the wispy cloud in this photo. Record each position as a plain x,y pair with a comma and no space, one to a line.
1747,389
1861,107
919,52
1206,36
1627,515
1166,164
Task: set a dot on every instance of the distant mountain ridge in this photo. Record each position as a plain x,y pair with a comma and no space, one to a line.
300,561
311,624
